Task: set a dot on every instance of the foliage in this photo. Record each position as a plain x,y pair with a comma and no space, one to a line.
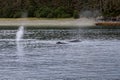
17,14
57,8
49,12
76,14
42,12
61,12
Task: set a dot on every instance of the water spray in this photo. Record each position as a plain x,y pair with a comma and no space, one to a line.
20,35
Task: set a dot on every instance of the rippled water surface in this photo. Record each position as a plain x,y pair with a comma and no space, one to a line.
60,54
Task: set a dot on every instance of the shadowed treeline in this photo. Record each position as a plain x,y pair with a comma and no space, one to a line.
57,8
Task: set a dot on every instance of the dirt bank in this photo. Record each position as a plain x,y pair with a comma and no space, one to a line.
108,23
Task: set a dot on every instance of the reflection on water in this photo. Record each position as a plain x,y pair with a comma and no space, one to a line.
94,57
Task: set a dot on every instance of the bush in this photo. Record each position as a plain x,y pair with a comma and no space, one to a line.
58,12
5,13
17,14
31,10
65,15
61,12
50,15
76,14
42,12
47,12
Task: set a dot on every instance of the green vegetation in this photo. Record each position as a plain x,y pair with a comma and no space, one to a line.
76,14
111,8
57,8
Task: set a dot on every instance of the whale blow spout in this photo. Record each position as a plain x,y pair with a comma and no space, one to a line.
20,33
19,37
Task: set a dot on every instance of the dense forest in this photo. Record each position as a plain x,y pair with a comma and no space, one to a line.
57,8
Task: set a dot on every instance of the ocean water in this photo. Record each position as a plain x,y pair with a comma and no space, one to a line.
60,54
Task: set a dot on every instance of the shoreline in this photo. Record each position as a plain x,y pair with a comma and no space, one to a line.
55,22
67,22
108,23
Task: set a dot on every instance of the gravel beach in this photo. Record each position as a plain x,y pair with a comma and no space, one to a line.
47,22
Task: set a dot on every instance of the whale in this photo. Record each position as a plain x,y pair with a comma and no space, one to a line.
60,42
76,40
